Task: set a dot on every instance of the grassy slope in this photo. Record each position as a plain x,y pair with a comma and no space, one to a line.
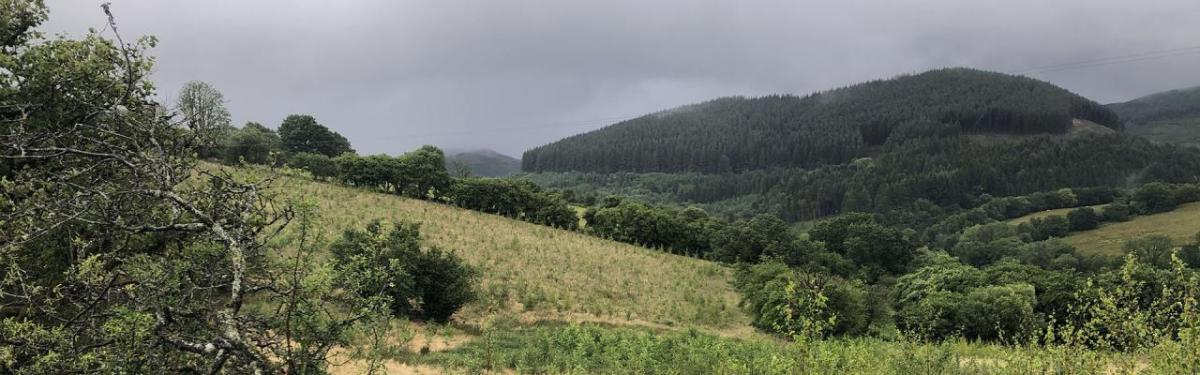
1180,132
1180,224
542,273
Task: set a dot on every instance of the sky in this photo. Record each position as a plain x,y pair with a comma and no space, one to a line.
392,75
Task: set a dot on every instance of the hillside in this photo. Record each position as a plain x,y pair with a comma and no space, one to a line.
536,272
1171,117
1181,225
1168,105
482,163
832,127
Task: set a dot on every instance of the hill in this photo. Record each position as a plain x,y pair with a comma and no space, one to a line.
559,301
1169,105
942,139
1167,117
833,127
482,163
537,272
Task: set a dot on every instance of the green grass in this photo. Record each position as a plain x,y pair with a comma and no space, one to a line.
1181,225
598,349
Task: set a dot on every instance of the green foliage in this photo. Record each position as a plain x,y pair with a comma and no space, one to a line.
320,166
302,133
418,174
879,248
1155,250
1083,218
949,299
387,260
1116,212
750,240
798,305
516,199
252,143
1153,198
1136,307
985,244
832,127
118,255
1044,228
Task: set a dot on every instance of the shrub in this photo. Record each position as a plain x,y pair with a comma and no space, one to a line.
1116,212
1083,218
1154,197
442,283
424,284
1049,227
1153,249
1186,194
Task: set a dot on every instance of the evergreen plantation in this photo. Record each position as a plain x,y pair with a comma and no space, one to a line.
833,127
944,137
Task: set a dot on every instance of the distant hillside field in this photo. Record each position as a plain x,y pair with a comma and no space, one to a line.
483,163
1168,117
1181,225
539,272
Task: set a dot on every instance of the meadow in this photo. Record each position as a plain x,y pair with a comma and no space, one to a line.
1180,224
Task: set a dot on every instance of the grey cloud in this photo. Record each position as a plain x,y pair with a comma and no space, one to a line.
508,75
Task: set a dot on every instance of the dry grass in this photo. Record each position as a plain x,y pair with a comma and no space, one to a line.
533,270
1181,225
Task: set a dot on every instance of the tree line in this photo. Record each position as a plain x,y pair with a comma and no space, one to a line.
951,173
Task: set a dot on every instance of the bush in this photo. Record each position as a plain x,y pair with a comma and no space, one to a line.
1083,218
1186,194
1153,198
442,283
1116,212
424,284
1048,227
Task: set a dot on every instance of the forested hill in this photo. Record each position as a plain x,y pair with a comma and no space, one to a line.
482,163
1170,105
833,127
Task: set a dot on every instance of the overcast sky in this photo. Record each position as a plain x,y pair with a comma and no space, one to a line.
392,75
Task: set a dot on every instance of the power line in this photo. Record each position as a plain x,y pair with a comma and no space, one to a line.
1149,55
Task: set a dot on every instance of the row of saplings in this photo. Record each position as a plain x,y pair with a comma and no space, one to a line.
1037,291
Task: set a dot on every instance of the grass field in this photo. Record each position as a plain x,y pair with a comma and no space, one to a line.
542,273
1181,225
